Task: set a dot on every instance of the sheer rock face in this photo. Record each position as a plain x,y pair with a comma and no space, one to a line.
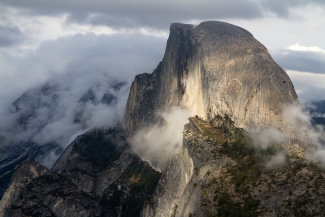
213,68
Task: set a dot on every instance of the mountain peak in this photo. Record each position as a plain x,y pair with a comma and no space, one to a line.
214,68
213,29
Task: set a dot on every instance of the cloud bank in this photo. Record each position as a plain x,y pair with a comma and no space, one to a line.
157,14
118,56
70,85
143,13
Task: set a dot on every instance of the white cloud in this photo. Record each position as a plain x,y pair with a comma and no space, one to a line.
277,161
304,25
298,47
264,137
158,143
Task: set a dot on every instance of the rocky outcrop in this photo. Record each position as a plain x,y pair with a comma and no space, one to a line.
221,174
12,155
213,68
47,194
24,174
96,176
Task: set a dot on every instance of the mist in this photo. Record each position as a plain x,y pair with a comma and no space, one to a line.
70,85
277,161
263,138
299,123
298,129
158,143
301,137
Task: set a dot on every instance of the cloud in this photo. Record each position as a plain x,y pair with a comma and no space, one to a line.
120,56
300,138
306,61
284,7
305,66
264,137
309,86
156,14
312,138
10,36
143,13
319,155
60,73
159,142
302,58
299,125
298,47
278,160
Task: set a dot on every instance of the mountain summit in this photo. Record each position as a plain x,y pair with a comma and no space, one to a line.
214,68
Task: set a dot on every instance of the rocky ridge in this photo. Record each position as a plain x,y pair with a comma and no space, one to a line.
218,173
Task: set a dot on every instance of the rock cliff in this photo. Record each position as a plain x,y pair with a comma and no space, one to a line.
213,68
219,173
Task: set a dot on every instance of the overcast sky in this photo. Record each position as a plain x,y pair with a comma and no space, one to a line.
39,39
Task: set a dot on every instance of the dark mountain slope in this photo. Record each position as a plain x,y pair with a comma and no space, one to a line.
96,176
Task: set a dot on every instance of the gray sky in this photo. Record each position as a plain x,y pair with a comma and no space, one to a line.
37,37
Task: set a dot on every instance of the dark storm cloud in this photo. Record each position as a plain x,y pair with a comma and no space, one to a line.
156,14
10,36
282,7
160,15
304,61
144,13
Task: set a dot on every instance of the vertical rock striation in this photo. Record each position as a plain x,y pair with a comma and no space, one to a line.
213,68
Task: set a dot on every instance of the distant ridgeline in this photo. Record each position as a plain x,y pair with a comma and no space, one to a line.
317,110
